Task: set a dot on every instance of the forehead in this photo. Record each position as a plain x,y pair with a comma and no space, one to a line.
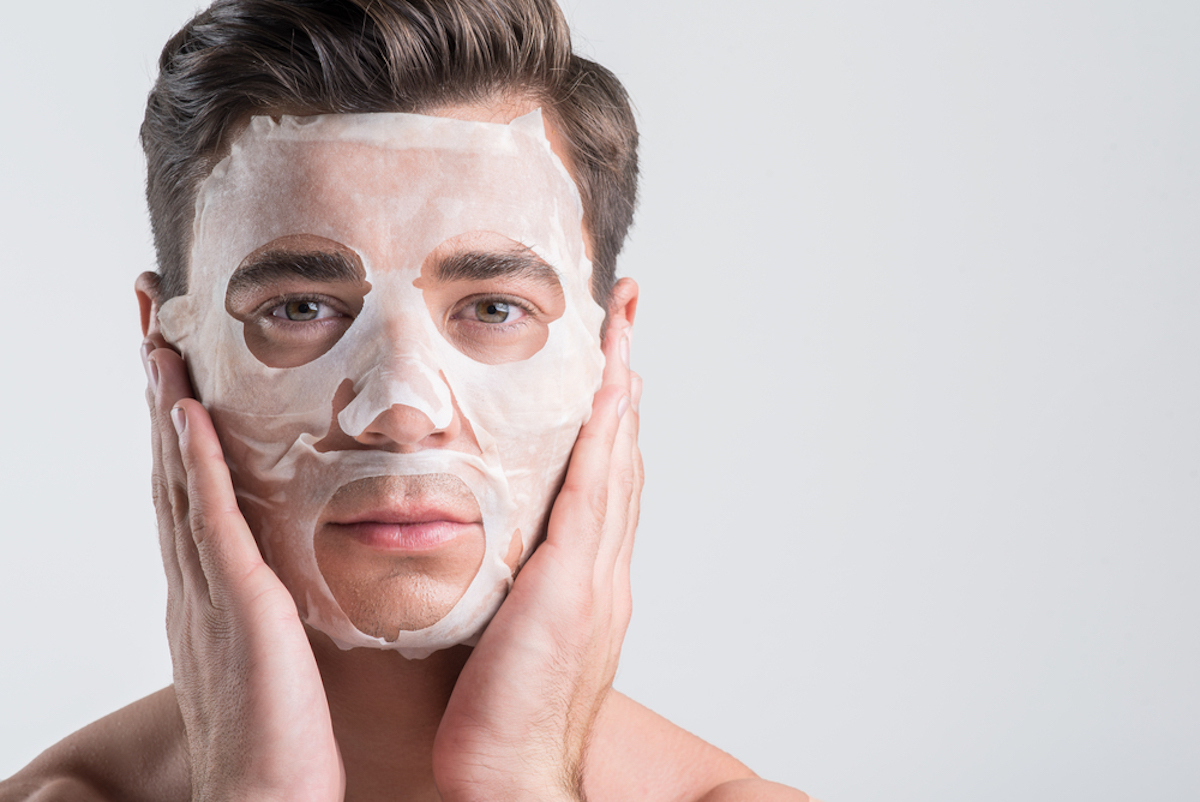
390,186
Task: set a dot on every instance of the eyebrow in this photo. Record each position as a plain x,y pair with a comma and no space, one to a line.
486,265
327,267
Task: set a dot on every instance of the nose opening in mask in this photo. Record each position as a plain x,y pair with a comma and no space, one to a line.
388,393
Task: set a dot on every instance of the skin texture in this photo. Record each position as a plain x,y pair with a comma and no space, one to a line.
263,708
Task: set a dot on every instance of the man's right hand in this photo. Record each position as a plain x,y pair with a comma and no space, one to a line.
258,723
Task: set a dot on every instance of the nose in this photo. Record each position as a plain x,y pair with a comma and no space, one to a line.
401,402
405,426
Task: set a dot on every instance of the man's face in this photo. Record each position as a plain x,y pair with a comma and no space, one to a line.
389,318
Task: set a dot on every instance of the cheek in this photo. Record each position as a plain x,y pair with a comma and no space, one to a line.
261,412
531,411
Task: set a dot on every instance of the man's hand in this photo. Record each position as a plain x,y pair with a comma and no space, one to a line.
257,720
519,719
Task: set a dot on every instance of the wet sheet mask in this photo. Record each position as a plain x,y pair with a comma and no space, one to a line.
389,318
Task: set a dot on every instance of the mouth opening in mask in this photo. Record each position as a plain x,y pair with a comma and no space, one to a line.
398,552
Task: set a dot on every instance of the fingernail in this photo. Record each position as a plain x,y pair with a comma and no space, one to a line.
147,348
625,349
152,375
179,419
622,406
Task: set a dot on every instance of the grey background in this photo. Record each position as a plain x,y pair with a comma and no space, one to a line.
922,416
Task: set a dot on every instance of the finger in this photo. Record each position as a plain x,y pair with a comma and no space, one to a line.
227,551
621,474
174,385
577,518
616,356
622,491
627,447
622,597
639,472
158,478
621,583
635,507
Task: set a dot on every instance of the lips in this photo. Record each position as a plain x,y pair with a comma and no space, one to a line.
404,513
414,537
428,511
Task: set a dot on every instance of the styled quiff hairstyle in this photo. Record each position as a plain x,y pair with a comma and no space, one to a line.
245,57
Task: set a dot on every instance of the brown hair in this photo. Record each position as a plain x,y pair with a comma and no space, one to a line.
245,57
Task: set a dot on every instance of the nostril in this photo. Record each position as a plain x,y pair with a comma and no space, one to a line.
398,424
396,427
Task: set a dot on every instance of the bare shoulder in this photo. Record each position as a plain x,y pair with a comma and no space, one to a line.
637,754
137,753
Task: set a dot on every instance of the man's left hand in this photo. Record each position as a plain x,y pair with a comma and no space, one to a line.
521,712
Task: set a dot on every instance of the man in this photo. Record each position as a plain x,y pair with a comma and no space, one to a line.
387,236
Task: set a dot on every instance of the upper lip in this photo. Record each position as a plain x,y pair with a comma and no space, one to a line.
422,513
424,498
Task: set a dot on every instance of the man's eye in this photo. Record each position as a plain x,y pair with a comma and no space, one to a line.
302,310
492,310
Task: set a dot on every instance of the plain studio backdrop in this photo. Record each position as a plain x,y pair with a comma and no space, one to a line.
921,347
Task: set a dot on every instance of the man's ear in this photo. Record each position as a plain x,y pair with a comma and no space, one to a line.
146,288
622,304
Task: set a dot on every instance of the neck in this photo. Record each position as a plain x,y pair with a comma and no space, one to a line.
386,711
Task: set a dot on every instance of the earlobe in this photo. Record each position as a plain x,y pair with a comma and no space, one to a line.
146,288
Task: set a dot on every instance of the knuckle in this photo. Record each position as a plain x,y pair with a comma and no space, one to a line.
200,524
179,504
158,491
628,481
596,500
587,435
217,626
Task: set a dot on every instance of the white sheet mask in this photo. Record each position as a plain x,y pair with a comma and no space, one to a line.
391,188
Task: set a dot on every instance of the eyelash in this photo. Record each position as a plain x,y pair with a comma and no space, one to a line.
468,303
266,310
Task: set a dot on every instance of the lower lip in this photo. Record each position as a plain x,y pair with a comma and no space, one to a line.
425,536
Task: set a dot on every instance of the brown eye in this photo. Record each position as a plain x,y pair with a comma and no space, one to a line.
299,310
492,311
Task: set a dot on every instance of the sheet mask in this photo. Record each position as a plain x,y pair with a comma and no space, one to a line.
391,188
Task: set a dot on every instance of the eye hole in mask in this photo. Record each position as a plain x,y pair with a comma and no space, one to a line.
491,297
296,297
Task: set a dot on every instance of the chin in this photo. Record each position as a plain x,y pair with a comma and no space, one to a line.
386,591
